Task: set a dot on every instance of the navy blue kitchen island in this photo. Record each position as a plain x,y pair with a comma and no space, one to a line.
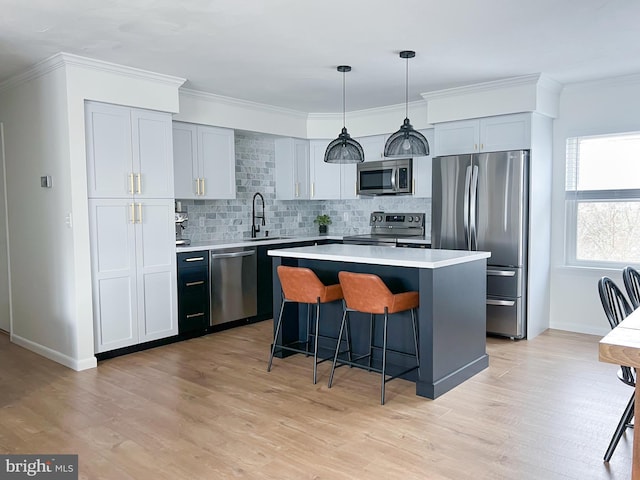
451,317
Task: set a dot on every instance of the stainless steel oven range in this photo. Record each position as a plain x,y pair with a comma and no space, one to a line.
389,228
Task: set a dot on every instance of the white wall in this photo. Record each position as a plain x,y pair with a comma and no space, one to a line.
609,106
36,144
43,116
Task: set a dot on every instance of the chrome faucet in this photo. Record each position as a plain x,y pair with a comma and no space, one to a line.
256,228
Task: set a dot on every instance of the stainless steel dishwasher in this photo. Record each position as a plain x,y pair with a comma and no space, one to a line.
234,273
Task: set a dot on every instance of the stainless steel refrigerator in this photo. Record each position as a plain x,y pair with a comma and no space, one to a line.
480,202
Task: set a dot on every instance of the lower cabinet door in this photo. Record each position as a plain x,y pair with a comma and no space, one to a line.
133,271
113,262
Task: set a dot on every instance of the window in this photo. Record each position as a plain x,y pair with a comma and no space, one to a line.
603,200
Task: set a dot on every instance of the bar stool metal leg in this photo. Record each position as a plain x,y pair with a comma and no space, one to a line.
384,355
372,322
315,342
275,337
335,356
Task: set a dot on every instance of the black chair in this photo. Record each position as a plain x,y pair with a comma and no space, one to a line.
616,308
631,278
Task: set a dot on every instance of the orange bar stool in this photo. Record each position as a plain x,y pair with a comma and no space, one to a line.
302,285
367,293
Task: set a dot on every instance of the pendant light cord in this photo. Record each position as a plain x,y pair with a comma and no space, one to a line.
406,91
344,122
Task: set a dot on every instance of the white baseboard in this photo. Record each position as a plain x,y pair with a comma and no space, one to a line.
580,328
74,364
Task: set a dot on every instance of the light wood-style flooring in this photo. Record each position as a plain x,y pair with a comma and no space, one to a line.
207,409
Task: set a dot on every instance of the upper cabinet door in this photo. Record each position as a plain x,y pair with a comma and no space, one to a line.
505,132
292,168
110,166
217,163
325,177
152,154
422,169
453,138
129,152
185,160
373,147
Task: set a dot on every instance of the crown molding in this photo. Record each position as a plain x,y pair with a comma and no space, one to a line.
236,102
375,111
533,79
622,80
62,59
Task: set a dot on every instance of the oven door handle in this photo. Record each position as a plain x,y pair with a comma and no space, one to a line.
394,172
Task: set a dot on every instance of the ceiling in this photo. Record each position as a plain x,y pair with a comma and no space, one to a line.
285,52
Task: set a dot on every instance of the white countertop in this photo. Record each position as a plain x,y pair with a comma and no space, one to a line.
377,255
219,244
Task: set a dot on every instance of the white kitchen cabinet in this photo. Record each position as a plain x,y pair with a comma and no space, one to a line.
133,271
373,146
292,168
204,162
422,169
490,134
129,152
348,181
325,178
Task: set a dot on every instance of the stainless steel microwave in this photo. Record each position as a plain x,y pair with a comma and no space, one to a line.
385,177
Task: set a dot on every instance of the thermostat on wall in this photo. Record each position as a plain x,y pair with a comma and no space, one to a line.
45,182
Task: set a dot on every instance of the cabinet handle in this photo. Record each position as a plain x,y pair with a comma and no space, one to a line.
313,189
194,259
197,180
501,273
139,175
133,214
482,146
139,213
202,190
193,284
475,146
192,315
131,183
297,189
413,187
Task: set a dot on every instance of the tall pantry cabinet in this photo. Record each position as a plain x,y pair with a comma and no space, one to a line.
132,225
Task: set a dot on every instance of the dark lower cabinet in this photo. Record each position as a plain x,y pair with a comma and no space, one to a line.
193,292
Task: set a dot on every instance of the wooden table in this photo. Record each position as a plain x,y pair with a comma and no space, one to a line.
622,347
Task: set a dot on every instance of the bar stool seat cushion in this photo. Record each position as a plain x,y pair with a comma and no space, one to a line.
302,285
368,293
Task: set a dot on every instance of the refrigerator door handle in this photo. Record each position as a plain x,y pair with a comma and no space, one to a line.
467,184
501,273
472,216
500,303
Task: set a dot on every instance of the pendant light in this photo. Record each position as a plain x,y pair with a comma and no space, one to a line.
344,149
406,142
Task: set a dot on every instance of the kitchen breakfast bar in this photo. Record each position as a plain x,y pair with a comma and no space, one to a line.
451,316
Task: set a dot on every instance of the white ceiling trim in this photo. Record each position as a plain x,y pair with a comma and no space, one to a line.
63,59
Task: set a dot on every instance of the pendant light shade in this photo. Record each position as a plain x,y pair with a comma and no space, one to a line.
344,149
406,142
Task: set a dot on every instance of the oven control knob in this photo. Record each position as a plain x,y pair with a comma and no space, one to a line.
379,218
373,218
410,218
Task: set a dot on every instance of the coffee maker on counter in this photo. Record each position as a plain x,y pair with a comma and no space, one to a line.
181,218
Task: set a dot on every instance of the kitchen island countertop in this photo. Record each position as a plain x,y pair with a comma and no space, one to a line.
381,255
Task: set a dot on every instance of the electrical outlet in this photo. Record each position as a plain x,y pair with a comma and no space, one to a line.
345,216
202,221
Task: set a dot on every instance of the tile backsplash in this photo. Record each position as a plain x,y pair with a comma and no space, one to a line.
255,172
